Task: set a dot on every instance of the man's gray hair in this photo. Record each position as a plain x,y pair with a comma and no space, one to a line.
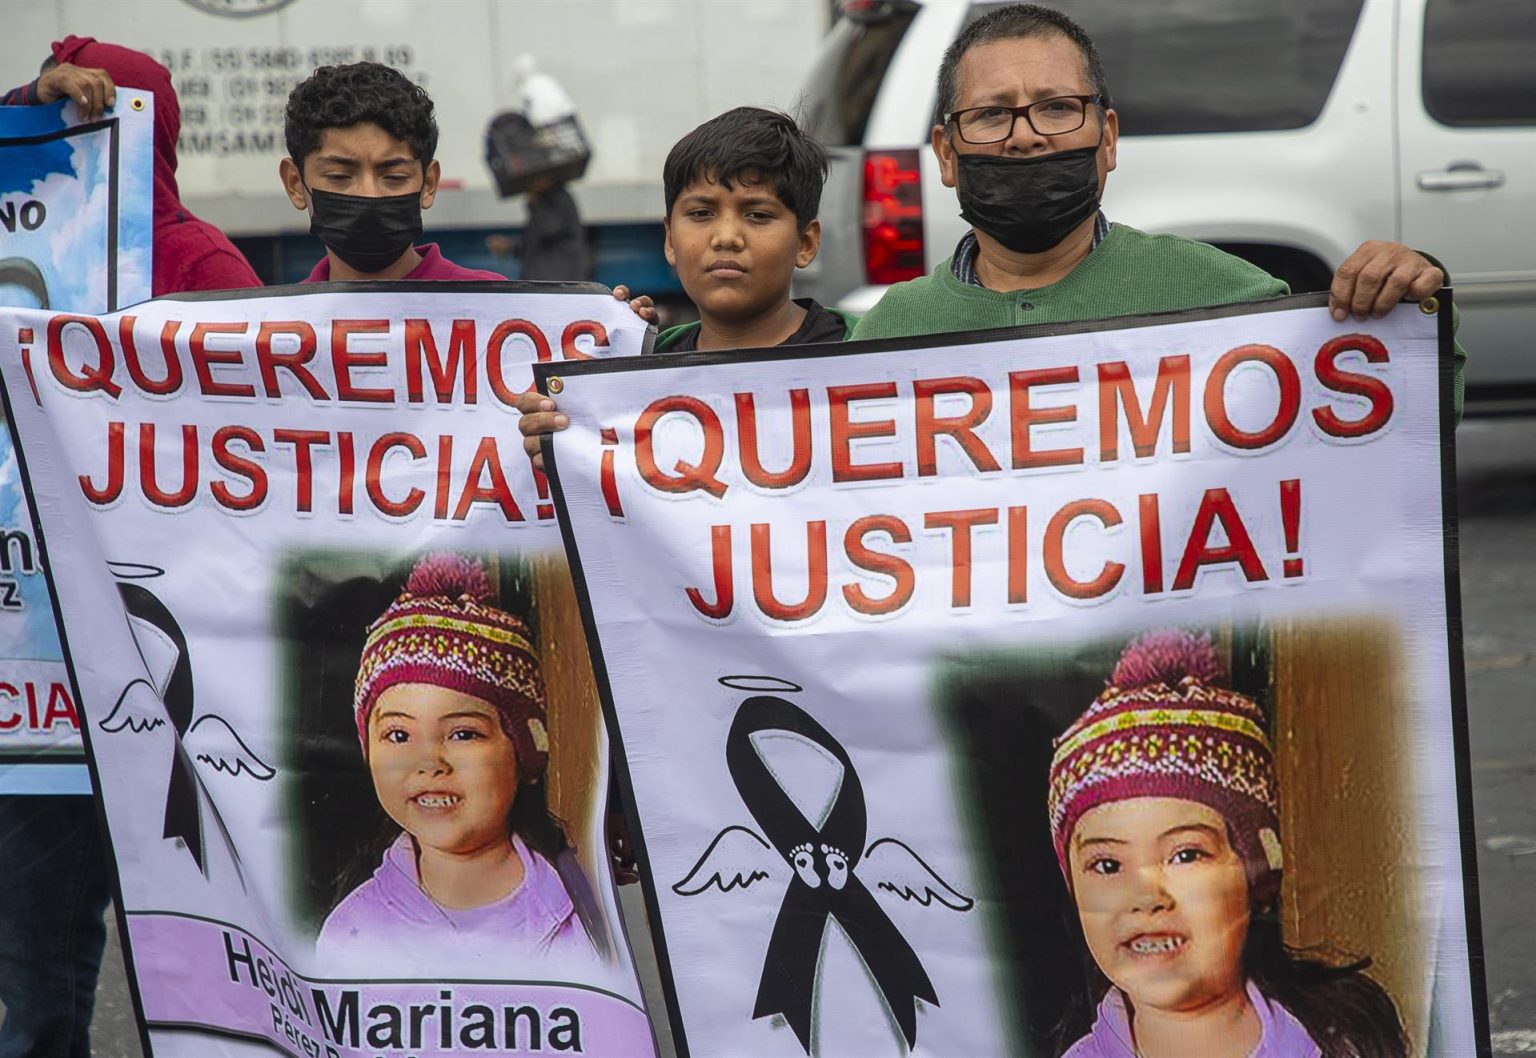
1011,23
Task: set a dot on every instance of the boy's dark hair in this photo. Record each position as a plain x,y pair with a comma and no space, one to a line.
338,97
1011,23
753,145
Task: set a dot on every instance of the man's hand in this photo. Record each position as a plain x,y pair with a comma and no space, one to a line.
642,306
92,89
539,415
1378,276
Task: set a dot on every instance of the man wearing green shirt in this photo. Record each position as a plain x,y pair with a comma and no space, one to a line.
1027,139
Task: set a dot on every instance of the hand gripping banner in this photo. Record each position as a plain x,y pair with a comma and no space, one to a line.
826,883
1106,660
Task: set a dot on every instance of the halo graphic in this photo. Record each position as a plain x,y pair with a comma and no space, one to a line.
759,683
134,570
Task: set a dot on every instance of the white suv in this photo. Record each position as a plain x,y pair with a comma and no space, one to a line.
1285,131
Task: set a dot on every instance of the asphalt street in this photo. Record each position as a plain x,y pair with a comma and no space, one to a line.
1497,486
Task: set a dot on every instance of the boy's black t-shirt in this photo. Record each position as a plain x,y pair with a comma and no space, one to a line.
819,325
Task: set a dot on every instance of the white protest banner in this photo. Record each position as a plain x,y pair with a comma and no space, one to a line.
75,200
330,665
980,694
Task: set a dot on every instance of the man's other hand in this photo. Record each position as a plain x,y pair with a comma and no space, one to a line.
539,416
642,306
92,89
1377,276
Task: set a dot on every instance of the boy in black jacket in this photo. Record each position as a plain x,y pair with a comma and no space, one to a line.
742,191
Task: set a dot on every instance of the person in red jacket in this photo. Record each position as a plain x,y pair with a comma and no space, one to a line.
190,254
53,868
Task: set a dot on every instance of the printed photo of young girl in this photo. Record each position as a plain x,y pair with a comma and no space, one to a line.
450,713
1163,808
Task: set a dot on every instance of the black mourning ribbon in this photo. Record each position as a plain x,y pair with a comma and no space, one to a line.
788,983
182,818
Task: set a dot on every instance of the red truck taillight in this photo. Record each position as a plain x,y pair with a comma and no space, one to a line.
893,217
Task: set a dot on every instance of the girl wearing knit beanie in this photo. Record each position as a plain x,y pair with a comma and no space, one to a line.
449,705
1163,810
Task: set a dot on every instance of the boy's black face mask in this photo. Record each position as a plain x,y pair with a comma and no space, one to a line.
1028,204
368,233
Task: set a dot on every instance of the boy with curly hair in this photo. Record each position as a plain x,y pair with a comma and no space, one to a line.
361,140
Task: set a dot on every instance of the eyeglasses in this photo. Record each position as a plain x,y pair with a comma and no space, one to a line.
1048,117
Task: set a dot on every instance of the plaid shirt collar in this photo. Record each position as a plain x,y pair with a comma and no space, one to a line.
963,263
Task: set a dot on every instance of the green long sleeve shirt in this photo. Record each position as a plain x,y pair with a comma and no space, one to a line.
1129,273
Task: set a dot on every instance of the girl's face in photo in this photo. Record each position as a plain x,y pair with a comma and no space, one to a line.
442,767
1163,900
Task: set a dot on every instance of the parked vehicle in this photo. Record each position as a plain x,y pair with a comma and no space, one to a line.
1286,133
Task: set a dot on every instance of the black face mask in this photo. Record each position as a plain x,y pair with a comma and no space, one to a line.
1028,204
369,234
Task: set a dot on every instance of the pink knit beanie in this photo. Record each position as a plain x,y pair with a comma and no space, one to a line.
1163,728
443,631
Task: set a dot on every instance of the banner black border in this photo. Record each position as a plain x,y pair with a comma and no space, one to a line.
1460,720
406,286
1445,335
948,338
114,149
394,286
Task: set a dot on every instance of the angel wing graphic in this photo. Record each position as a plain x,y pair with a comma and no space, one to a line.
165,697
212,741
735,859
894,868
739,857
140,706
137,710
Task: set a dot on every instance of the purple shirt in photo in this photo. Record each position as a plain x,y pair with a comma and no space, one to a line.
390,914
1281,1035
